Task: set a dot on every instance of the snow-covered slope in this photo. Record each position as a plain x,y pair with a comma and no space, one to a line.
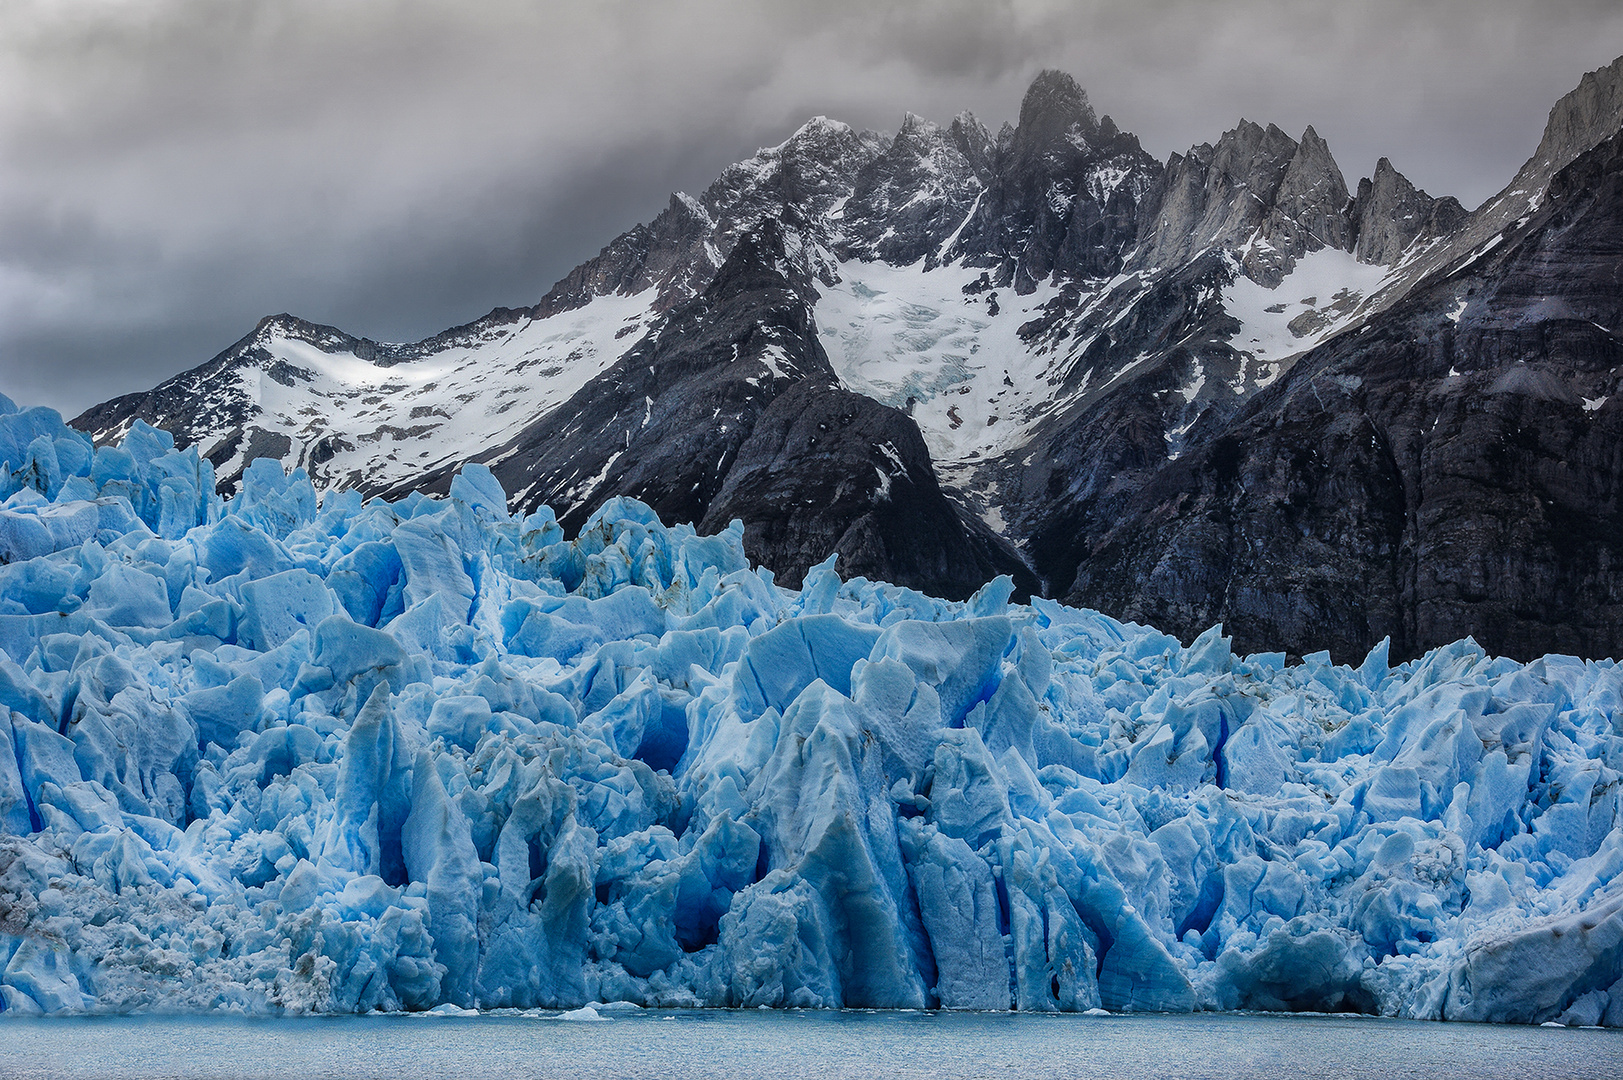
268,757
914,340
361,416
1322,295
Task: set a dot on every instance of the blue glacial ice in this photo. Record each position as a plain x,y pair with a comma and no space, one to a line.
286,754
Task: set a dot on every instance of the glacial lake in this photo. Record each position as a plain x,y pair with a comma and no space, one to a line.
720,1045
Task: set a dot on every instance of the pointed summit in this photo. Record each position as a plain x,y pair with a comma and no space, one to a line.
1054,105
914,125
1310,207
914,195
1390,213
975,142
1219,196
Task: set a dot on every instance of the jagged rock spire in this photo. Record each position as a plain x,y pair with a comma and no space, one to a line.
1390,212
1054,106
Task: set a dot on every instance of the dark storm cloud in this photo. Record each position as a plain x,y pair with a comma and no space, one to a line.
170,170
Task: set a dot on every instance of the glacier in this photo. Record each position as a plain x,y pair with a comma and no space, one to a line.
285,754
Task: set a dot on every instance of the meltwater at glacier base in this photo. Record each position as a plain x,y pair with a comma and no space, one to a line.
280,754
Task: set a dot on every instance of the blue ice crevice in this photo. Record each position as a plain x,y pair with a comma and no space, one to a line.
286,754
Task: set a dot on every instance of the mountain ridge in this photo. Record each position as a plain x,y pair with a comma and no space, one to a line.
1060,316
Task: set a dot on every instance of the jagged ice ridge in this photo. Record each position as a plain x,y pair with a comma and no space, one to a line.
283,755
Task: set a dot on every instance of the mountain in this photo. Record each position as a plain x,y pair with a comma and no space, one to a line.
730,408
947,354
1455,462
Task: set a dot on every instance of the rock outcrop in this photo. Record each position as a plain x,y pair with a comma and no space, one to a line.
1390,214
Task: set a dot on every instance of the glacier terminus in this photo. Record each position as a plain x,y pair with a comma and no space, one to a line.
285,754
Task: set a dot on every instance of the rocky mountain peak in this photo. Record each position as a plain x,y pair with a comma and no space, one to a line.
1310,206
975,142
1221,196
907,201
1063,192
917,136
758,261
819,159
914,125
818,131
1580,121
1390,213
329,339
1054,107
1255,157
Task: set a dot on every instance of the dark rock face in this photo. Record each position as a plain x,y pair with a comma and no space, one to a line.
1115,432
909,201
666,421
1429,478
826,470
1065,195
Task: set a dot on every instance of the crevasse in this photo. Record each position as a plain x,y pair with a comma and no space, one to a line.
278,754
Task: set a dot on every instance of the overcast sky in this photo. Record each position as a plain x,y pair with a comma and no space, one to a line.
171,170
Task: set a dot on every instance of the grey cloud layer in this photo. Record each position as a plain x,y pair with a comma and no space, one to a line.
170,170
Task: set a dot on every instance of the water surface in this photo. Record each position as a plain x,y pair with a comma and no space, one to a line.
722,1045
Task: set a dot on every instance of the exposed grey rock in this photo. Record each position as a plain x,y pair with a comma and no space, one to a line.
1258,193
1390,214
977,144
1581,120
1310,207
1217,197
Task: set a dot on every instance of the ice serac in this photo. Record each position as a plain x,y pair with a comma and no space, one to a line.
629,766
